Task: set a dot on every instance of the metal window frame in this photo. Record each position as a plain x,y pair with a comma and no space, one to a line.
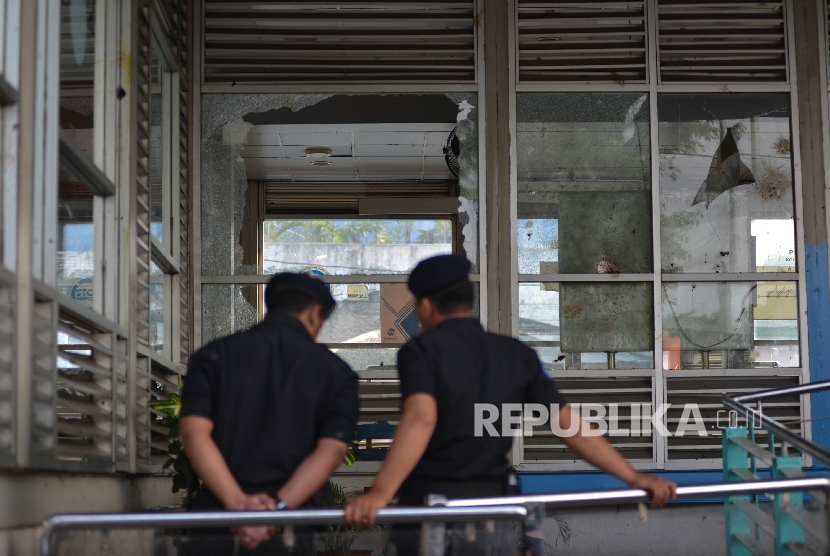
199,88
654,88
165,254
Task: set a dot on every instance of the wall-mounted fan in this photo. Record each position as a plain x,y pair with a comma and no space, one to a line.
451,152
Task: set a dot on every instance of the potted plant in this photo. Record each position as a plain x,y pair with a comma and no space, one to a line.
338,540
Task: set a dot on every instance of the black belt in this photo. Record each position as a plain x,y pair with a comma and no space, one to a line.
415,489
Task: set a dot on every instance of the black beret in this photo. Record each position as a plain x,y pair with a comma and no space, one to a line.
302,283
438,273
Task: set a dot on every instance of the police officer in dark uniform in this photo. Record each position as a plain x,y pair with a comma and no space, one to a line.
268,414
444,373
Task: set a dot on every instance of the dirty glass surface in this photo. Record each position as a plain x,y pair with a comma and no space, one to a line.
226,308
77,71
584,183
588,325
726,190
76,238
157,336
730,325
156,146
228,124
342,247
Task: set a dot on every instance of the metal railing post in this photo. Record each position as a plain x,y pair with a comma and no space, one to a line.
789,532
534,530
737,522
433,535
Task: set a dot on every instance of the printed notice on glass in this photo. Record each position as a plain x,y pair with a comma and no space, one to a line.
357,292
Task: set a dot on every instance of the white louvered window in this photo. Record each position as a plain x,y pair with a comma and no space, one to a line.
589,41
723,42
340,42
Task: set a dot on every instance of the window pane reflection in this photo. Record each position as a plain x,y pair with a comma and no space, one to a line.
730,325
156,146
726,195
76,238
77,71
588,325
156,309
339,247
584,180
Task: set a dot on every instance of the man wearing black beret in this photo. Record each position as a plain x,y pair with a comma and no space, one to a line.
444,373
268,414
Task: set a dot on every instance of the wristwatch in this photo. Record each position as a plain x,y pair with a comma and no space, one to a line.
281,505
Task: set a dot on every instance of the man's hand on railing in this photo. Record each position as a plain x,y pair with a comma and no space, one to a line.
661,490
362,509
252,536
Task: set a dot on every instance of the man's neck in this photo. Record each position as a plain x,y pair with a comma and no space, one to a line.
463,314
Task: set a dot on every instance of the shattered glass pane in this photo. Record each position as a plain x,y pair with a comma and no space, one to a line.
730,325
584,183
588,325
369,358
314,138
726,194
226,309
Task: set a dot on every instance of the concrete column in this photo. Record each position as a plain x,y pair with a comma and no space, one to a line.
497,152
807,21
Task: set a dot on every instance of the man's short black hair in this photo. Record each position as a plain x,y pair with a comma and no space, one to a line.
457,297
289,301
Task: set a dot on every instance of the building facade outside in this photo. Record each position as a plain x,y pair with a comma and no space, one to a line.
640,186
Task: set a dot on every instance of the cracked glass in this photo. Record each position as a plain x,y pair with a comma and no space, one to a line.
588,325
730,325
726,190
584,183
244,140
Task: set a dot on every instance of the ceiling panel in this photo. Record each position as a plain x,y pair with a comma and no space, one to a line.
382,152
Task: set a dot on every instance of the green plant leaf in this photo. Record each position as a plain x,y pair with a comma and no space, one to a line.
348,459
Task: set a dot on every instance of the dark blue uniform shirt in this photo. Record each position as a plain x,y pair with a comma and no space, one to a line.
272,392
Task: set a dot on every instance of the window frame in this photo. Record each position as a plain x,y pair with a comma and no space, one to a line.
654,87
165,254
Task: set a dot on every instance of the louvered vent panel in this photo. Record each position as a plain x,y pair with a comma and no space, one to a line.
142,191
145,416
79,388
380,403
342,198
545,447
591,41
722,41
707,392
181,23
6,368
347,41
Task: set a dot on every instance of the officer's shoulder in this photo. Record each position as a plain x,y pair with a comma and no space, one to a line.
329,360
212,351
508,343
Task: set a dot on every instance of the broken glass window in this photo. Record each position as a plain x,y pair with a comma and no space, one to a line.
726,194
584,183
730,325
332,139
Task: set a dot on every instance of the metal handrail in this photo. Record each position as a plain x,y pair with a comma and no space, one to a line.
774,426
153,520
637,496
500,508
808,388
779,430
